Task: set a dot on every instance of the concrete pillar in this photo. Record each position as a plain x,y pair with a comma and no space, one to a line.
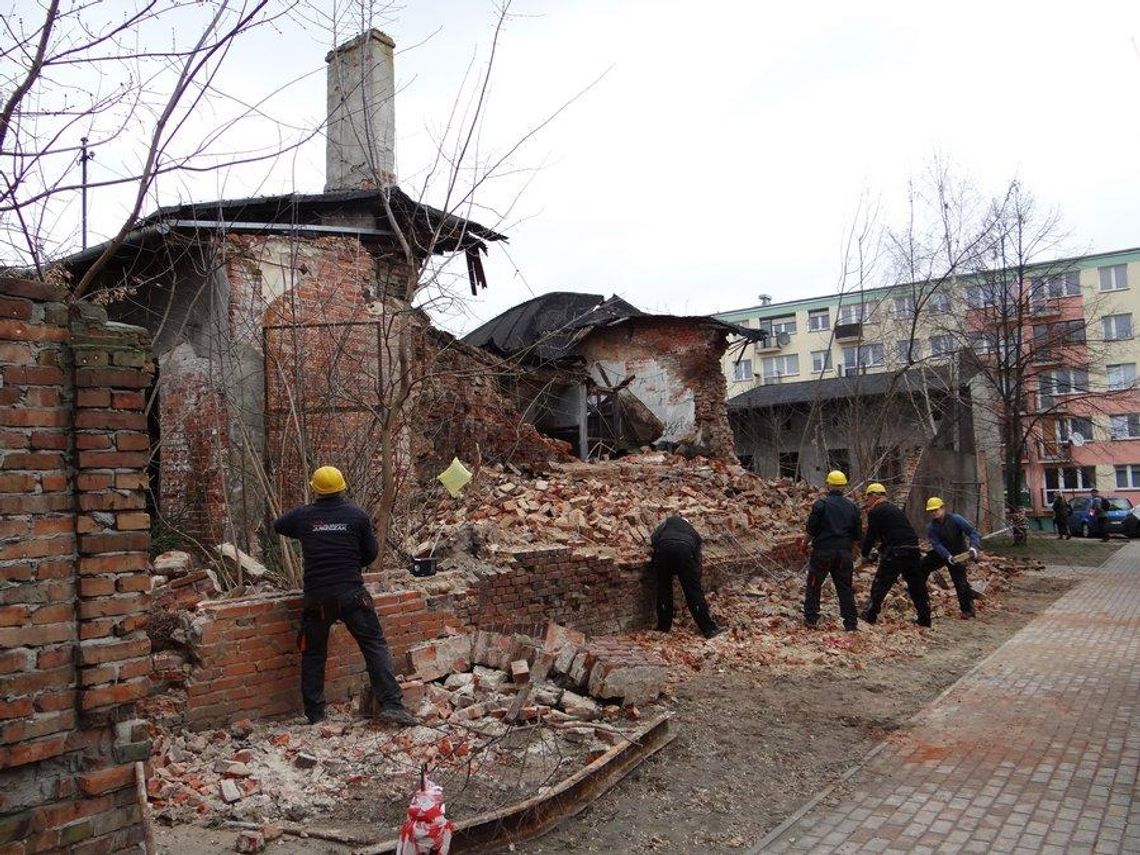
360,149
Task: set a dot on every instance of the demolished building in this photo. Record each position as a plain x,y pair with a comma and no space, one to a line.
285,336
609,378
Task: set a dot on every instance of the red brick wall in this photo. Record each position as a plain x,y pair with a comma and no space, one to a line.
596,596
73,553
690,352
248,664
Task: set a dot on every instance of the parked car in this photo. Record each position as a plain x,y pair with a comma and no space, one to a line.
1132,523
1119,512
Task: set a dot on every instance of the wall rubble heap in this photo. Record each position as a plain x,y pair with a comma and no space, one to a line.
73,551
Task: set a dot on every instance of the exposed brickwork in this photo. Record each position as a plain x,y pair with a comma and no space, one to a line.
248,664
73,554
672,359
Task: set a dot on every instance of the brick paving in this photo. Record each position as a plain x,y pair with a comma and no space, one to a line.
1035,750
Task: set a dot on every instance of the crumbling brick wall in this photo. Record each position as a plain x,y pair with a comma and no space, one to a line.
73,552
465,409
248,664
676,363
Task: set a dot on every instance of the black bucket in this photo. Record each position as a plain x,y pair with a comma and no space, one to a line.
424,566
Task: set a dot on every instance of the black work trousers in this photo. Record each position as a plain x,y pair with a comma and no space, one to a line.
1062,524
933,561
841,568
673,558
353,606
900,561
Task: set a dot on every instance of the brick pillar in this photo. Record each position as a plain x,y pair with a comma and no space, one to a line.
73,581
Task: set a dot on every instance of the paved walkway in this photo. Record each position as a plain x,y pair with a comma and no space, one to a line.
1034,751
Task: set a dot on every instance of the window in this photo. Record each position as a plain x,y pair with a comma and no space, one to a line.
902,307
982,342
982,296
855,313
908,351
1128,476
780,366
1121,376
775,326
1117,327
1113,278
1063,381
819,319
1068,479
1125,426
742,370
789,465
1051,287
820,361
863,356
1047,338
1078,425
942,345
939,301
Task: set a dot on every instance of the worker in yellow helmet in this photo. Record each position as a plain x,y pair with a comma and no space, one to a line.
337,542
899,555
834,526
951,534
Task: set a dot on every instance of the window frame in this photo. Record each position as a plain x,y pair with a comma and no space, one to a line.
814,315
736,378
1132,423
828,362
1116,283
1105,325
783,358
859,350
1116,387
1131,472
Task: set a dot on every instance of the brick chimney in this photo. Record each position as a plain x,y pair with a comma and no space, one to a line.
360,151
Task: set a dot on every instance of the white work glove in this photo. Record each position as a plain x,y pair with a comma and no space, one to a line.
973,553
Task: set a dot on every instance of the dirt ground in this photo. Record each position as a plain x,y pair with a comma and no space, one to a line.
751,747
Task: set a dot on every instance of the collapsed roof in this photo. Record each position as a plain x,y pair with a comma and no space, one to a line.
548,327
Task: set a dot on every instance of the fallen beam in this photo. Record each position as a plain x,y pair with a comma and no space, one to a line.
537,815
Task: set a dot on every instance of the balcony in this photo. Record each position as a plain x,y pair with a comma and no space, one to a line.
848,332
1047,308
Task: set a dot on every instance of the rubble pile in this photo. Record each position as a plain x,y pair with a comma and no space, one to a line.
612,507
766,632
503,717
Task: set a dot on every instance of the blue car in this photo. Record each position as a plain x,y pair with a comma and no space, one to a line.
1081,522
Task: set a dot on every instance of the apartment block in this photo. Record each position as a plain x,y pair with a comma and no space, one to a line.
1076,333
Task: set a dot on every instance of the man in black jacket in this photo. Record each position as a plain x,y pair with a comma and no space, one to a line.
677,552
834,526
337,541
888,528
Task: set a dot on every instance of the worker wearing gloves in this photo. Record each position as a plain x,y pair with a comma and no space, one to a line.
834,526
890,530
677,552
337,541
949,535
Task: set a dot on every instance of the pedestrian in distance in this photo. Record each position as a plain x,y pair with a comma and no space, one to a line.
677,552
898,555
1098,515
951,535
1061,511
337,542
834,526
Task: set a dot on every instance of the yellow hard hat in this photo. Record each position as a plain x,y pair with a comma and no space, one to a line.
835,478
875,489
934,503
327,480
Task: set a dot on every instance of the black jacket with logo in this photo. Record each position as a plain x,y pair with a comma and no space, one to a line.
835,524
337,540
677,530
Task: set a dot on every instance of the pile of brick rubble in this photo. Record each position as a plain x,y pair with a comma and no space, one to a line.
612,508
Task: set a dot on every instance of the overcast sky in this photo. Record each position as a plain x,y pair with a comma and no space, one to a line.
725,148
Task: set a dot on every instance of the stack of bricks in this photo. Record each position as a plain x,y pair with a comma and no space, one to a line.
73,562
248,662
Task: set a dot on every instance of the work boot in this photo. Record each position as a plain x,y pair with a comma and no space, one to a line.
867,617
850,627
811,624
397,715
925,624
715,631
315,718
969,615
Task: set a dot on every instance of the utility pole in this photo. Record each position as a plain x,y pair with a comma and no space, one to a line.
84,156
